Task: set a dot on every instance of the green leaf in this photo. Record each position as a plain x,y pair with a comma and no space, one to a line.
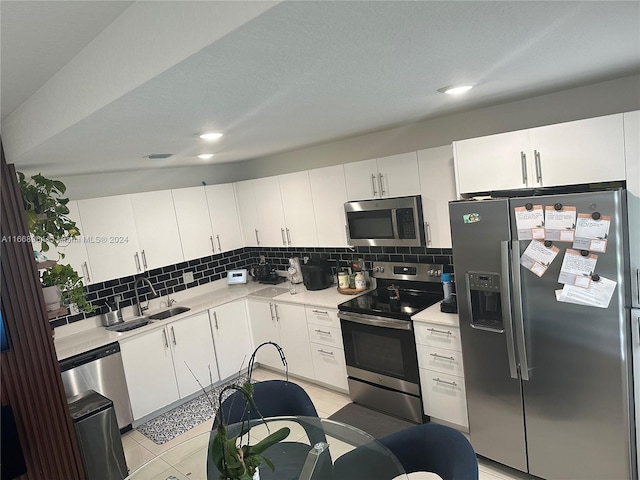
270,440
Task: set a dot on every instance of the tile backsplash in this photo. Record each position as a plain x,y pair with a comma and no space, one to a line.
169,279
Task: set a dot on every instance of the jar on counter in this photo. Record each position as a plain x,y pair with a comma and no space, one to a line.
361,283
343,280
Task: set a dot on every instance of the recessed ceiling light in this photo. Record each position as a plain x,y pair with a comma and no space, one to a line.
210,136
156,156
456,89
206,156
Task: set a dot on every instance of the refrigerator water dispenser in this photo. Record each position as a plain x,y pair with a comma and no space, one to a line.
484,298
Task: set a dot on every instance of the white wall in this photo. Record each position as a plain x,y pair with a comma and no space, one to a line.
604,98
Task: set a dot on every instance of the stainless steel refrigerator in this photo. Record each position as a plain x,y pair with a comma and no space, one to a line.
549,383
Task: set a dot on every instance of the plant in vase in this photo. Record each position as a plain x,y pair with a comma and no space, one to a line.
63,286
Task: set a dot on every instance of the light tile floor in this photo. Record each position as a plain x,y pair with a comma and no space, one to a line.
139,449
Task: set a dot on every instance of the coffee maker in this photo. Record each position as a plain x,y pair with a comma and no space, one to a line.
316,274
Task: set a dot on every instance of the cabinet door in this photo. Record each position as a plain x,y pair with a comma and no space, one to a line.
231,337
271,221
193,353
292,323
297,205
584,151
632,157
157,229
444,397
398,175
329,365
494,162
148,368
74,250
329,194
247,211
438,187
362,180
112,244
193,222
264,329
223,212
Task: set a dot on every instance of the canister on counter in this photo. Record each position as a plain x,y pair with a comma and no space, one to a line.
360,282
343,280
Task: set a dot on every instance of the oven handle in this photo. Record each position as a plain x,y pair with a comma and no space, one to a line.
376,321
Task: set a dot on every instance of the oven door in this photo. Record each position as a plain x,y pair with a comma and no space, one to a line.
380,350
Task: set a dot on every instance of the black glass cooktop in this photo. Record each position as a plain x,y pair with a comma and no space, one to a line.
380,302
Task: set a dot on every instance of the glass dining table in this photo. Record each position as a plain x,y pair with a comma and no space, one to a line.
315,449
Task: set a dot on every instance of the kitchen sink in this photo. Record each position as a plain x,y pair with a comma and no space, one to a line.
171,312
130,325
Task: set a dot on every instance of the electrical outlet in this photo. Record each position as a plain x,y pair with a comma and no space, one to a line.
187,277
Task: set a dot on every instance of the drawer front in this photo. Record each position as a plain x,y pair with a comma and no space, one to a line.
323,316
329,365
438,336
440,360
324,335
444,397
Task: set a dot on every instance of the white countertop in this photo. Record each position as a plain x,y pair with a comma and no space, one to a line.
434,315
88,334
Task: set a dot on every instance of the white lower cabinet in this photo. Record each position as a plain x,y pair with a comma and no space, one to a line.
441,372
231,337
327,350
156,364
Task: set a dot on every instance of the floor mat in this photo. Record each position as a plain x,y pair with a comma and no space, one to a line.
375,423
183,418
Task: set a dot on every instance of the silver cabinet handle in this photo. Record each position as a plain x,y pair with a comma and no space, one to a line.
218,239
323,332
382,192
275,307
273,319
638,283
85,270
435,355
538,166
438,380
144,260
257,239
433,330
327,313
505,299
164,336
427,232
517,310
373,184
173,335
325,352
288,237
215,319
137,259
284,242
213,248
523,163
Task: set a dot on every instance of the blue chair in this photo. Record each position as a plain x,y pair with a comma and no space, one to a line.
434,448
275,398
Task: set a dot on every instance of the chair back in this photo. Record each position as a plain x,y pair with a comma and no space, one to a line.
431,447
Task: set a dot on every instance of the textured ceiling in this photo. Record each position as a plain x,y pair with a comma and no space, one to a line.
296,74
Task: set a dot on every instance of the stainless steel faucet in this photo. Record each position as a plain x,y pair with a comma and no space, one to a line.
139,310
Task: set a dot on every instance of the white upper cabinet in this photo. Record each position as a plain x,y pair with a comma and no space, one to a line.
247,211
438,187
632,157
112,244
225,222
393,176
192,214
157,228
583,151
297,204
329,193
271,223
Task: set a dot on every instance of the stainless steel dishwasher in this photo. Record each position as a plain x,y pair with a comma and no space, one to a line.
101,370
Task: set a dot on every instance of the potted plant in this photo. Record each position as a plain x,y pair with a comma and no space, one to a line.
46,210
62,286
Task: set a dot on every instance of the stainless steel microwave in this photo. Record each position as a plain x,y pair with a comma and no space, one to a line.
385,222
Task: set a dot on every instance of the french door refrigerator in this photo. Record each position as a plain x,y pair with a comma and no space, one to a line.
549,383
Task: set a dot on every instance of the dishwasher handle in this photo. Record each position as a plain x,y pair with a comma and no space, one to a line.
90,356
